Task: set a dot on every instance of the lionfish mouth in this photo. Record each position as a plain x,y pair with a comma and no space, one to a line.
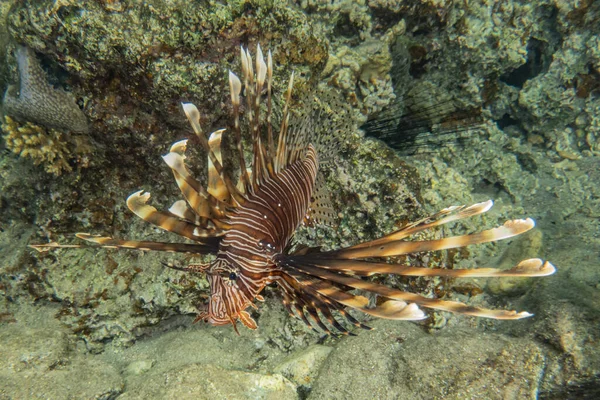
248,222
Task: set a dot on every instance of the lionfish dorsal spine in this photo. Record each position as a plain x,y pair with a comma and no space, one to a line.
235,87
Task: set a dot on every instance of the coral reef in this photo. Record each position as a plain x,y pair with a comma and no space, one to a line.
4,39
532,67
363,75
46,146
170,51
39,102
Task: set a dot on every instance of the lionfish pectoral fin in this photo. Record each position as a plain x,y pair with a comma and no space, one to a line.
247,320
532,267
395,294
445,216
394,309
399,247
108,242
390,309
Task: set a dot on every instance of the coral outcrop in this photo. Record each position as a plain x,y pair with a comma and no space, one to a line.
38,102
48,147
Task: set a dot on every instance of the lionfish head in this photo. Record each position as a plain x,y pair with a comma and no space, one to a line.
227,302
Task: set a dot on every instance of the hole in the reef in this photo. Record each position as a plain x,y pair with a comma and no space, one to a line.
384,19
533,67
527,162
491,188
505,121
345,27
418,55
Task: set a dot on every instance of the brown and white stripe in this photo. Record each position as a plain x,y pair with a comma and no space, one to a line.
248,227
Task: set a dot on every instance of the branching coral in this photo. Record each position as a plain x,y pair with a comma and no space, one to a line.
48,147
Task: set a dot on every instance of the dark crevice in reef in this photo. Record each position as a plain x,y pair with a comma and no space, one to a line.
585,391
527,162
539,52
345,27
505,121
493,189
532,68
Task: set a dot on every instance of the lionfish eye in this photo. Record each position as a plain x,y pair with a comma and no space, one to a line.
232,276
263,244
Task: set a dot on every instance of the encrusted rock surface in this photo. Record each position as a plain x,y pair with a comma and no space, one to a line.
303,366
392,363
39,360
210,382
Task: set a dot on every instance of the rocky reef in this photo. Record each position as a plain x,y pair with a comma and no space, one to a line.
533,71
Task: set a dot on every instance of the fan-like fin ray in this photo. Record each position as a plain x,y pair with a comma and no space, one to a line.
108,242
235,88
399,247
181,209
216,186
395,294
391,309
322,303
193,116
202,202
456,213
137,204
532,267
281,156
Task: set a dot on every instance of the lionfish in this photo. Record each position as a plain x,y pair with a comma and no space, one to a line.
249,224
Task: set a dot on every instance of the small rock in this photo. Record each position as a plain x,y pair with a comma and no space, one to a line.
201,381
139,367
302,367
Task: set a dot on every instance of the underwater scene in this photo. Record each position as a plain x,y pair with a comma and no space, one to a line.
309,199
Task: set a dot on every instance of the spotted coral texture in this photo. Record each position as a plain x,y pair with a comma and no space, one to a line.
39,102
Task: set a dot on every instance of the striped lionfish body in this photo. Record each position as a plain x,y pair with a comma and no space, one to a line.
248,225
